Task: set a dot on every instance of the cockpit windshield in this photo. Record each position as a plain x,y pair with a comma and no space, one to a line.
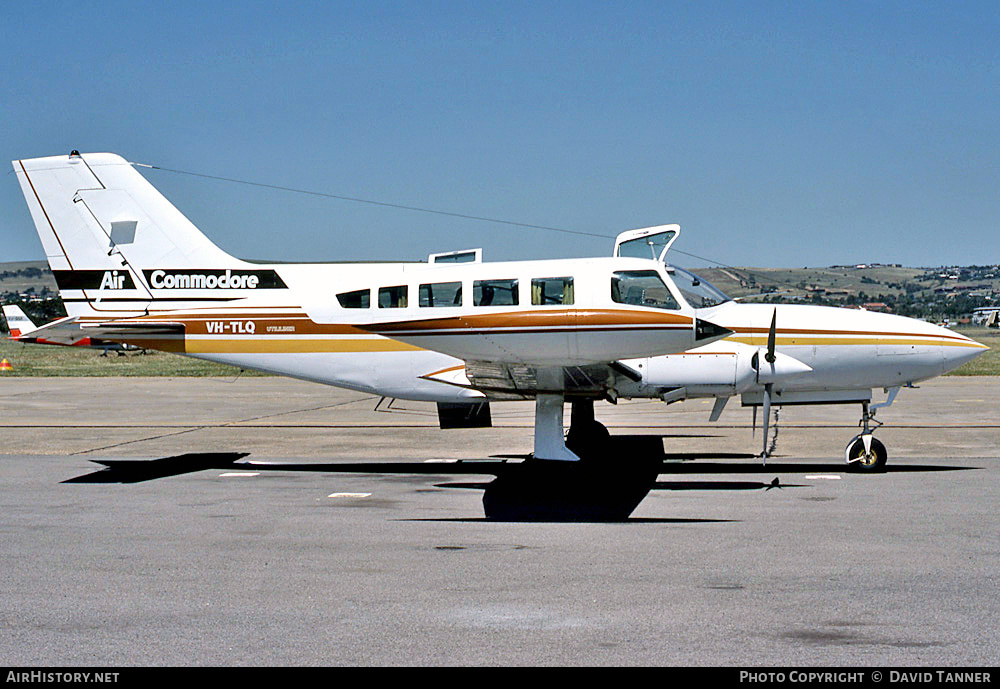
697,292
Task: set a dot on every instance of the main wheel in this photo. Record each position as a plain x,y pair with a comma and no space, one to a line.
869,462
588,439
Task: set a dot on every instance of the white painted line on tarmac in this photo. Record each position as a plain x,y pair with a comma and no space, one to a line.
230,474
349,495
827,476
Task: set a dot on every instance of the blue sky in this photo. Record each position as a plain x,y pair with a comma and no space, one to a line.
776,134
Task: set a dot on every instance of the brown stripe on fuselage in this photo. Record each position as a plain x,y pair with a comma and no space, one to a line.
279,324
515,321
511,322
857,333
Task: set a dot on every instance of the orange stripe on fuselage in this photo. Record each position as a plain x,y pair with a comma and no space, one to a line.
582,319
857,333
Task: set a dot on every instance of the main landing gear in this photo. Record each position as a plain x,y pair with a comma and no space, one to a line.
571,479
587,437
865,453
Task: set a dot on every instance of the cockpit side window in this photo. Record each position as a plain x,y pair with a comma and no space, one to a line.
641,288
698,292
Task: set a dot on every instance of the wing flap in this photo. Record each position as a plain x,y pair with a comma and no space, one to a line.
499,381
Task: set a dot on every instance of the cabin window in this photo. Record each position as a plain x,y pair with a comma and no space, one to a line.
548,291
392,297
495,293
359,299
441,294
641,288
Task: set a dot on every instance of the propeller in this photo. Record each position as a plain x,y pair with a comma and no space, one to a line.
771,333
769,357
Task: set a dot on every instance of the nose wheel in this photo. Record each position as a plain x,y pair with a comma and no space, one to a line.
865,453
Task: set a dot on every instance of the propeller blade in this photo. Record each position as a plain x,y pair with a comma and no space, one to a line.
771,337
767,416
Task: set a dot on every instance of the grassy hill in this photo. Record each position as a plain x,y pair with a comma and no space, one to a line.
20,276
872,281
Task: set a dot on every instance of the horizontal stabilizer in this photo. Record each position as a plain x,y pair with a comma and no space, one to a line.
123,330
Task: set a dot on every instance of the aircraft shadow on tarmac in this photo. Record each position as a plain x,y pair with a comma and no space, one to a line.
665,485
140,470
524,491
630,520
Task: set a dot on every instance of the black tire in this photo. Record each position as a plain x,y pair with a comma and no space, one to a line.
588,439
870,463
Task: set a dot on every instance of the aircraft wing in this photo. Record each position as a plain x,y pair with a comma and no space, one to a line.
499,381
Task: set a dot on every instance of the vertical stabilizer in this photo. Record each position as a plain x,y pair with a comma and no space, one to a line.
17,321
106,230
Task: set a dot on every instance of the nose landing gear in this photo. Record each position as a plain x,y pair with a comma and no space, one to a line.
865,453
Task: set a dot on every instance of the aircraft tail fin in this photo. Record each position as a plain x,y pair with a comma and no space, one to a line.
108,234
17,321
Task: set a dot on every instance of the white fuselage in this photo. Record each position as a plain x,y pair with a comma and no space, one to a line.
418,351
383,328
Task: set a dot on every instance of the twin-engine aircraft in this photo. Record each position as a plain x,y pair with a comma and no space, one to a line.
457,330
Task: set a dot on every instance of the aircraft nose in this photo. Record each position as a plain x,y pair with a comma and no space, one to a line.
961,350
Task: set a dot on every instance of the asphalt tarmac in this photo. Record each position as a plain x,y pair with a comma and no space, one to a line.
311,559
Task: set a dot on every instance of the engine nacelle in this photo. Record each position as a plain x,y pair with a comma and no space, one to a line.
701,373
716,373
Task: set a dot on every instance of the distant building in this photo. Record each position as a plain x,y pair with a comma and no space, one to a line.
876,306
